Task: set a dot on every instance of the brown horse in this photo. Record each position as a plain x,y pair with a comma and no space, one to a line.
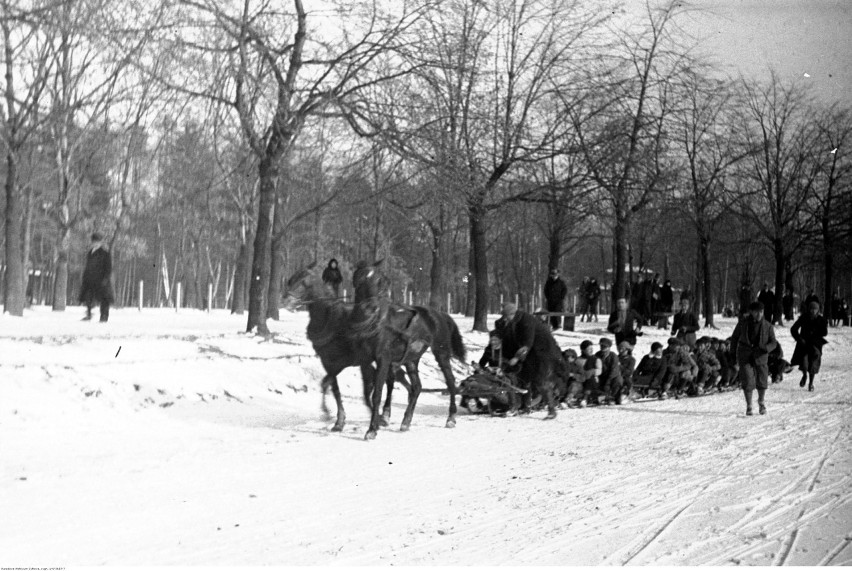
395,335
329,333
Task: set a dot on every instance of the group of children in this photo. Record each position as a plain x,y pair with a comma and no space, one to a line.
606,377
611,376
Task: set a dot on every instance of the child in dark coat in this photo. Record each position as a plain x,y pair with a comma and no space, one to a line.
610,377
592,369
809,331
628,364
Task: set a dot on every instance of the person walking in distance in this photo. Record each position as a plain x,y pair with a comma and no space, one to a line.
593,295
332,277
666,303
809,331
97,282
753,339
767,297
555,291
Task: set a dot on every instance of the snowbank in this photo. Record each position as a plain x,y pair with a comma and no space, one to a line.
166,438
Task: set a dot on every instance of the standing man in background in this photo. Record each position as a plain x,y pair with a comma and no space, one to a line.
555,291
331,276
97,283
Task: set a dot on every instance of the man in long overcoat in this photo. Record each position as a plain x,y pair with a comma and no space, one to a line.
97,279
555,291
809,331
753,340
527,342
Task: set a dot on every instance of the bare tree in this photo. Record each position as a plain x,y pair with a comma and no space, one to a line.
275,71
834,132
27,69
780,171
481,101
709,139
623,130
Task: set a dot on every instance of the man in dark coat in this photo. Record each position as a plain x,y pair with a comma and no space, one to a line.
332,277
767,297
787,304
593,295
581,299
809,331
527,342
555,291
666,303
625,323
753,339
685,324
97,283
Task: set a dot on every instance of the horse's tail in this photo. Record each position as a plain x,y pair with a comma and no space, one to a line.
456,341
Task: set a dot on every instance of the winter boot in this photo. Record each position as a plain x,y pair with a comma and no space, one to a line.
748,395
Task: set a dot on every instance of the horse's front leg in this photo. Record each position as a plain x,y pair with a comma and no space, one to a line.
382,373
398,377
414,378
330,381
446,368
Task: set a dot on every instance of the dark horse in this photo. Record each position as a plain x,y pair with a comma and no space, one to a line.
395,335
329,331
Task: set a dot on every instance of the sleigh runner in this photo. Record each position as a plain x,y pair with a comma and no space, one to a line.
490,391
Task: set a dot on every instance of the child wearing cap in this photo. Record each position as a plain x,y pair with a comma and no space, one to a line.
648,368
679,368
592,369
574,376
708,366
610,378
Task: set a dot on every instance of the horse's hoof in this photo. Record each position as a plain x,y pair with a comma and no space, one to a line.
404,427
451,423
371,435
337,428
383,422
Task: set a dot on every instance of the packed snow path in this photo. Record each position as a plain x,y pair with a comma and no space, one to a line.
174,439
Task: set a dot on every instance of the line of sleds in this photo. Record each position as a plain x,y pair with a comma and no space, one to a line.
497,390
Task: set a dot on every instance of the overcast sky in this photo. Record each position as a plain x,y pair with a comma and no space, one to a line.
796,37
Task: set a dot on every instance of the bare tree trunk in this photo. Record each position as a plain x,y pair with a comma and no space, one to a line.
13,290
479,276
260,268
436,272
28,234
278,261
620,247
780,259
708,286
828,264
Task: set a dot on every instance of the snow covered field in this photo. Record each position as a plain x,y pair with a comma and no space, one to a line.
166,438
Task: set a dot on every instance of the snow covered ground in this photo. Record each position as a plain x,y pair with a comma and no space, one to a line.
166,438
